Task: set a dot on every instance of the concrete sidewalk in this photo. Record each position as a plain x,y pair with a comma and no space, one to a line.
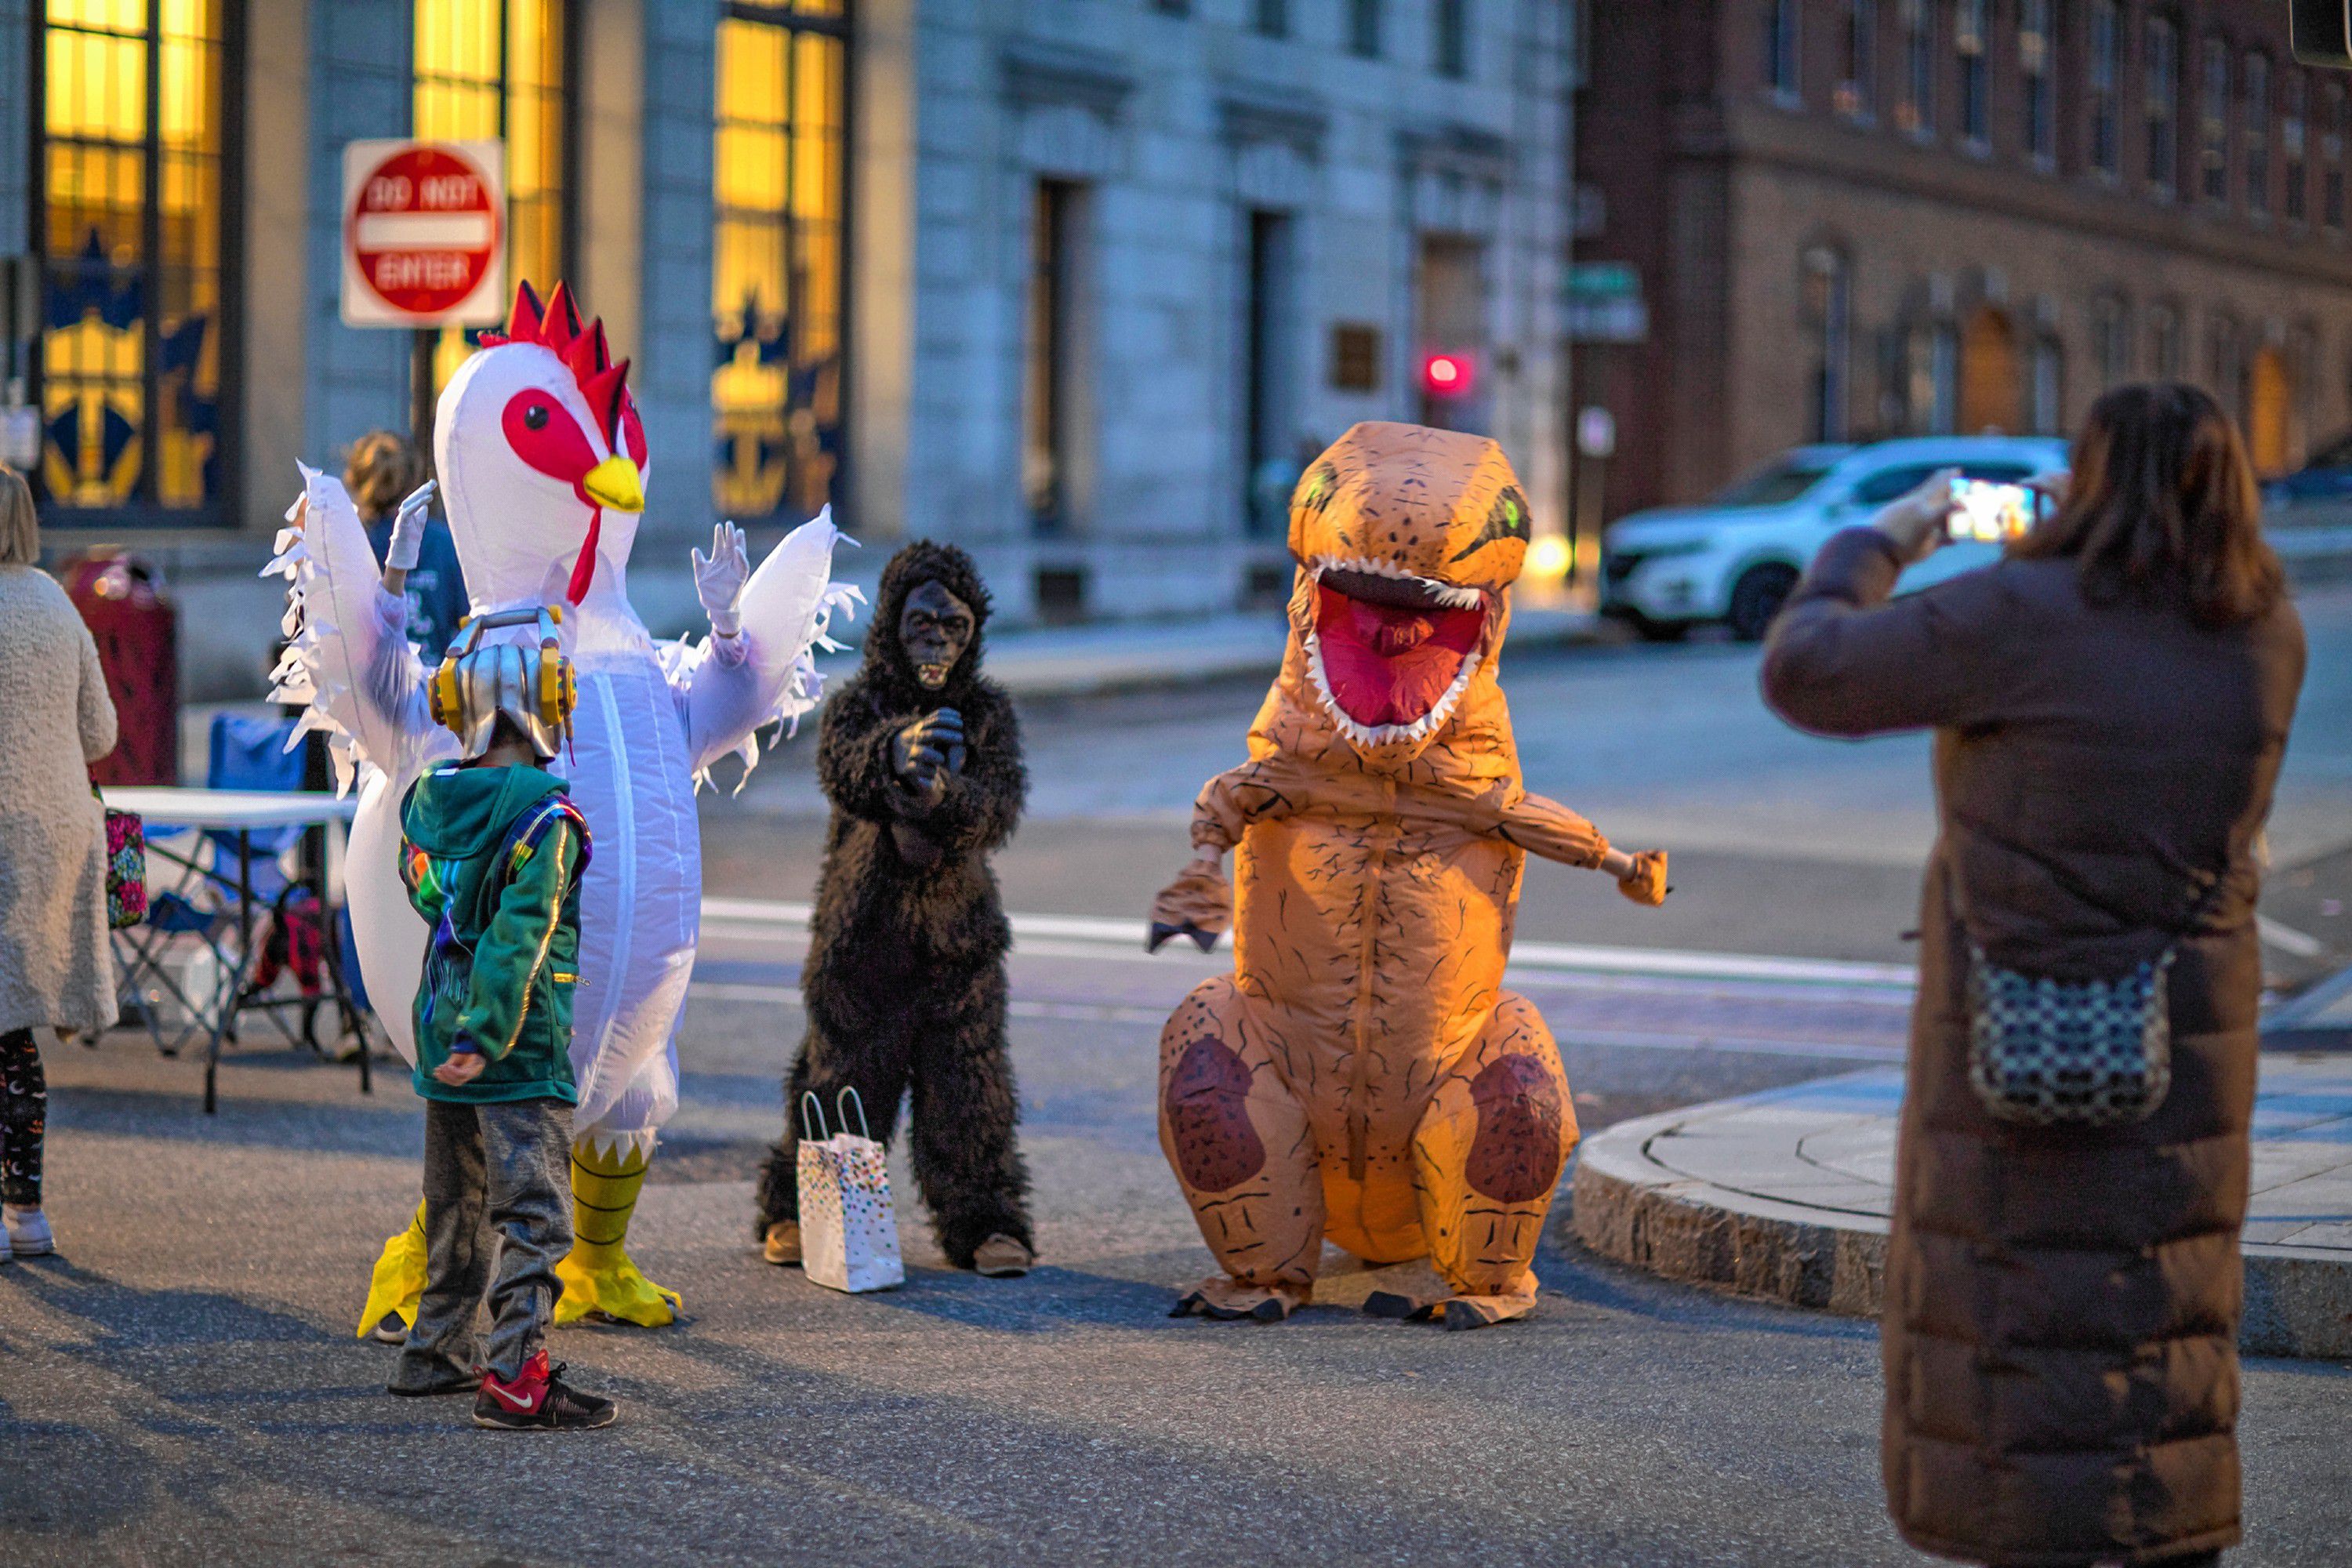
1786,1194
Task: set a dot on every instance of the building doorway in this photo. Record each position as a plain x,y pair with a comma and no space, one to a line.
2270,413
1450,288
1050,387
1266,402
1991,380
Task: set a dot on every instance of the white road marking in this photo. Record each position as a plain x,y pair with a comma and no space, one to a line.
1097,937
1153,1017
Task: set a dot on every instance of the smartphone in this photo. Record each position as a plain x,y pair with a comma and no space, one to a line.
1992,513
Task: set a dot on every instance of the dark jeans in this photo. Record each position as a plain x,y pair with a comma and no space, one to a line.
502,1168
24,1114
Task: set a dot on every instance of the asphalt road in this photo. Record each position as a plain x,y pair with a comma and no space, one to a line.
183,1386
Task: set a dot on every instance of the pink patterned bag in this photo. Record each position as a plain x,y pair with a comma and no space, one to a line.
126,869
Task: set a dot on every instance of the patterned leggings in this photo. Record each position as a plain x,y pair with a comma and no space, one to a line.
24,1111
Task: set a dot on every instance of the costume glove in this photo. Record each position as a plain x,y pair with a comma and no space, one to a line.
1646,882
1198,904
719,576
408,528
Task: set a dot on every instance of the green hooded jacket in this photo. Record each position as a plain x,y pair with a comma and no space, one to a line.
492,860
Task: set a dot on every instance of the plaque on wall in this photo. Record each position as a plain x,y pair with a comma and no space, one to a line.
1355,357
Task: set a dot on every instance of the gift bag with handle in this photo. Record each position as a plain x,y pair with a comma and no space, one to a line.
849,1235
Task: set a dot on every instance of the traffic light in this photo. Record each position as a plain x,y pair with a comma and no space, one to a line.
2322,33
1447,374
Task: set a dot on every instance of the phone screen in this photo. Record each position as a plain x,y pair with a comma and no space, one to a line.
1992,513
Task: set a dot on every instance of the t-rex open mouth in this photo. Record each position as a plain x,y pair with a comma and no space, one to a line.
1391,652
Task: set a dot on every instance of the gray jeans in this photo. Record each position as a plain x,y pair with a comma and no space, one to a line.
503,1168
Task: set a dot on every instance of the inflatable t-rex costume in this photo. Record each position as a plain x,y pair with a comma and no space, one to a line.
1362,1074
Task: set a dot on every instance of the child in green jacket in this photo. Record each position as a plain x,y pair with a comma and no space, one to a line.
491,851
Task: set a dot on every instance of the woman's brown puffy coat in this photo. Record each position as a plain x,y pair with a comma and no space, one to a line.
2061,1318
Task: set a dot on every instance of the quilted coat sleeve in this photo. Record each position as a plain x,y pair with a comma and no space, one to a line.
1845,660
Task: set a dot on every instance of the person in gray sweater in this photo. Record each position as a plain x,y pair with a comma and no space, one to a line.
56,718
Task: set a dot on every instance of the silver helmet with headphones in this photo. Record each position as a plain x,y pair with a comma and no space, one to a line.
528,684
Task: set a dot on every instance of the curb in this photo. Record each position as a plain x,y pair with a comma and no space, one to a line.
1626,1206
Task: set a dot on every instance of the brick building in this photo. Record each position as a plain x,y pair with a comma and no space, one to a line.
1855,218
1067,281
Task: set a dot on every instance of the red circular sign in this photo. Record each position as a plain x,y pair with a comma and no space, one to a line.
424,230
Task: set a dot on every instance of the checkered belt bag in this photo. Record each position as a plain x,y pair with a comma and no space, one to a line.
2088,1053
2073,1053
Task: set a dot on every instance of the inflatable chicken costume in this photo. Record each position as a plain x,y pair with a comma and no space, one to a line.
1362,1074
542,460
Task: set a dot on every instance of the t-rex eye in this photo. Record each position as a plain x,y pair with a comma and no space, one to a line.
535,417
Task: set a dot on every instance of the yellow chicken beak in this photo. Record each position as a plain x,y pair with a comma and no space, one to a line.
615,483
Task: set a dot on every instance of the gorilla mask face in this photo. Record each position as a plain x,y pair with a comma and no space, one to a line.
934,629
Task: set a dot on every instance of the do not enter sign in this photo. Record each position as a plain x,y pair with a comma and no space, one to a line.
423,233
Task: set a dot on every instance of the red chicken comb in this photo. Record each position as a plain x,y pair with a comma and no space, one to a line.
556,326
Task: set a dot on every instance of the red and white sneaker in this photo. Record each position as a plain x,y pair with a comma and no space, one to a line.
539,1400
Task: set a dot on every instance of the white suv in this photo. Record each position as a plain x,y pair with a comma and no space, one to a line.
1735,559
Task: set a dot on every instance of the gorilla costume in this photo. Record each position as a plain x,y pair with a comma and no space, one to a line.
905,985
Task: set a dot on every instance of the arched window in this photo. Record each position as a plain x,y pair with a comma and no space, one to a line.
2162,105
2037,62
1857,92
132,377
2335,129
2213,123
2102,78
1917,111
2255,135
1780,47
777,257
2048,385
2111,341
1828,295
2294,145
1970,27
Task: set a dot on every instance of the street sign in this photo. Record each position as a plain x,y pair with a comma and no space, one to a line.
2322,32
1596,433
1604,303
423,233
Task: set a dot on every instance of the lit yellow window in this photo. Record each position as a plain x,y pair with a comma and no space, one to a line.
777,257
130,367
492,69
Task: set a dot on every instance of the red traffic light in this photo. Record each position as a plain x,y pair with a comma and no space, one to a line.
1444,373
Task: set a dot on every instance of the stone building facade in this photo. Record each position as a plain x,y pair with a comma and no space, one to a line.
1857,218
1070,282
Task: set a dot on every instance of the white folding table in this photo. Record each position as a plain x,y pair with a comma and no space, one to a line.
241,813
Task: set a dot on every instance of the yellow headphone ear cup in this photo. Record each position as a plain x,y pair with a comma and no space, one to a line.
445,694
551,690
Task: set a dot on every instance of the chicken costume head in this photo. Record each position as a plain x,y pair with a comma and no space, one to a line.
1407,538
542,458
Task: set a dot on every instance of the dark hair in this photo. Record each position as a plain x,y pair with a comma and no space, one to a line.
2163,507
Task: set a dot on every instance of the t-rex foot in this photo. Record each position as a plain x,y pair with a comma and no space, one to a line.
1221,1297
398,1283
1485,1311
612,1288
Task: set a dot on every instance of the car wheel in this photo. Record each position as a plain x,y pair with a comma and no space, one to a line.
1649,630
1757,597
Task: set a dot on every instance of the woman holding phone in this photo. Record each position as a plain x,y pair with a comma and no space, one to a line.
2111,703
